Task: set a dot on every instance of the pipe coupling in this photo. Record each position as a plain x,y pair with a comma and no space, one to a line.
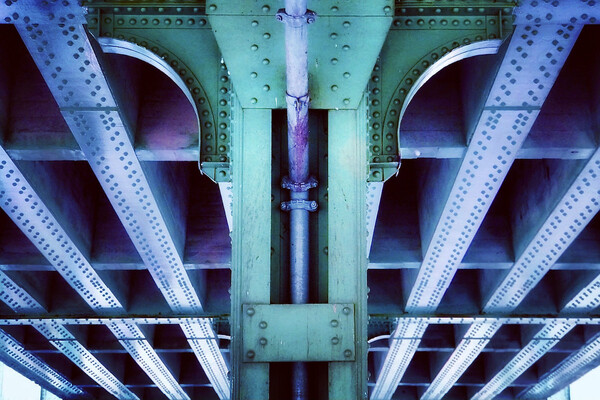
308,205
296,20
287,183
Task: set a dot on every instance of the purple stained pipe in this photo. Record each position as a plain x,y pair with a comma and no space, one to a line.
296,57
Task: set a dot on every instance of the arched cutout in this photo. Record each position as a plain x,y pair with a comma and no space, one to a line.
486,47
116,46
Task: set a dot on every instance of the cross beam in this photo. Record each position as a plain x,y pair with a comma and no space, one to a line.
578,204
504,121
103,132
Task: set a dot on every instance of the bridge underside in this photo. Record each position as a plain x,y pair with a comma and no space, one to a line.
455,252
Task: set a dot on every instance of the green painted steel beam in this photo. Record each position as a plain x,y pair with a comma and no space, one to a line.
252,42
298,332
251,239
347,237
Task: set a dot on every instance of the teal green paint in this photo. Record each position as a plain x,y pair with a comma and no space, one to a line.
298,332
347,240
251,239
252,42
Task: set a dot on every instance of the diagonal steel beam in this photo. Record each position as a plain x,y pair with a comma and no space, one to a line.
70,66
508,113
19,300
13,354
550,335
562,225
31,214
566,372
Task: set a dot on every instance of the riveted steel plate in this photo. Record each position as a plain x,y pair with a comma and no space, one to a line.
298,332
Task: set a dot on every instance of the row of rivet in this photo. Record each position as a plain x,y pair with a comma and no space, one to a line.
131,22
390,126
441,23
151,10
456,10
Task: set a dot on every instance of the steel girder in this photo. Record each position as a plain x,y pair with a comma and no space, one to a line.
99,126
63,340
569,370
13,354
42,228
578,204
512,105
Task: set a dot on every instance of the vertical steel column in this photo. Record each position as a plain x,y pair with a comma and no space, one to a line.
296,18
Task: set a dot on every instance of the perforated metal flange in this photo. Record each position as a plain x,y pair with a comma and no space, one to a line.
13,354
64,341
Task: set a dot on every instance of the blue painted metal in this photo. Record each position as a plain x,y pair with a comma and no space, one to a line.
107,142
507,115
578,204
63,340
574,366
13,354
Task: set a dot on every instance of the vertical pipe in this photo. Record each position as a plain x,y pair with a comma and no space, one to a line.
296,57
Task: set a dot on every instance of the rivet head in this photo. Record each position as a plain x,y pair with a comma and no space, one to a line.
347,353
387,9
266,88
250,311
345,47
334,9
266,8
346,75
334,323
266,35
266,61
334,61
254,100
263,341
346,310
346,24
334,88
346,101
212,7
335,340
251,354
333,35
253,75
254,23
263,325
254,47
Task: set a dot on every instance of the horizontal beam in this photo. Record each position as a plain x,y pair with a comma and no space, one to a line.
566,372
13,354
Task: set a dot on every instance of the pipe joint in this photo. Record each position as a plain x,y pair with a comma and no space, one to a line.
299,204
296,21
298,102
287,183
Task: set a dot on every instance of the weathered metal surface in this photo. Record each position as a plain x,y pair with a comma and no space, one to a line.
104,134
13,354
256,58
298,332
251,239
347,240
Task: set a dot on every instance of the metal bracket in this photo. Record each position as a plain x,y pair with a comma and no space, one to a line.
296,20
308,205
286,183
298,332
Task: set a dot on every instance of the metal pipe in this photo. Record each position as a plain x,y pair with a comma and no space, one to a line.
296,18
